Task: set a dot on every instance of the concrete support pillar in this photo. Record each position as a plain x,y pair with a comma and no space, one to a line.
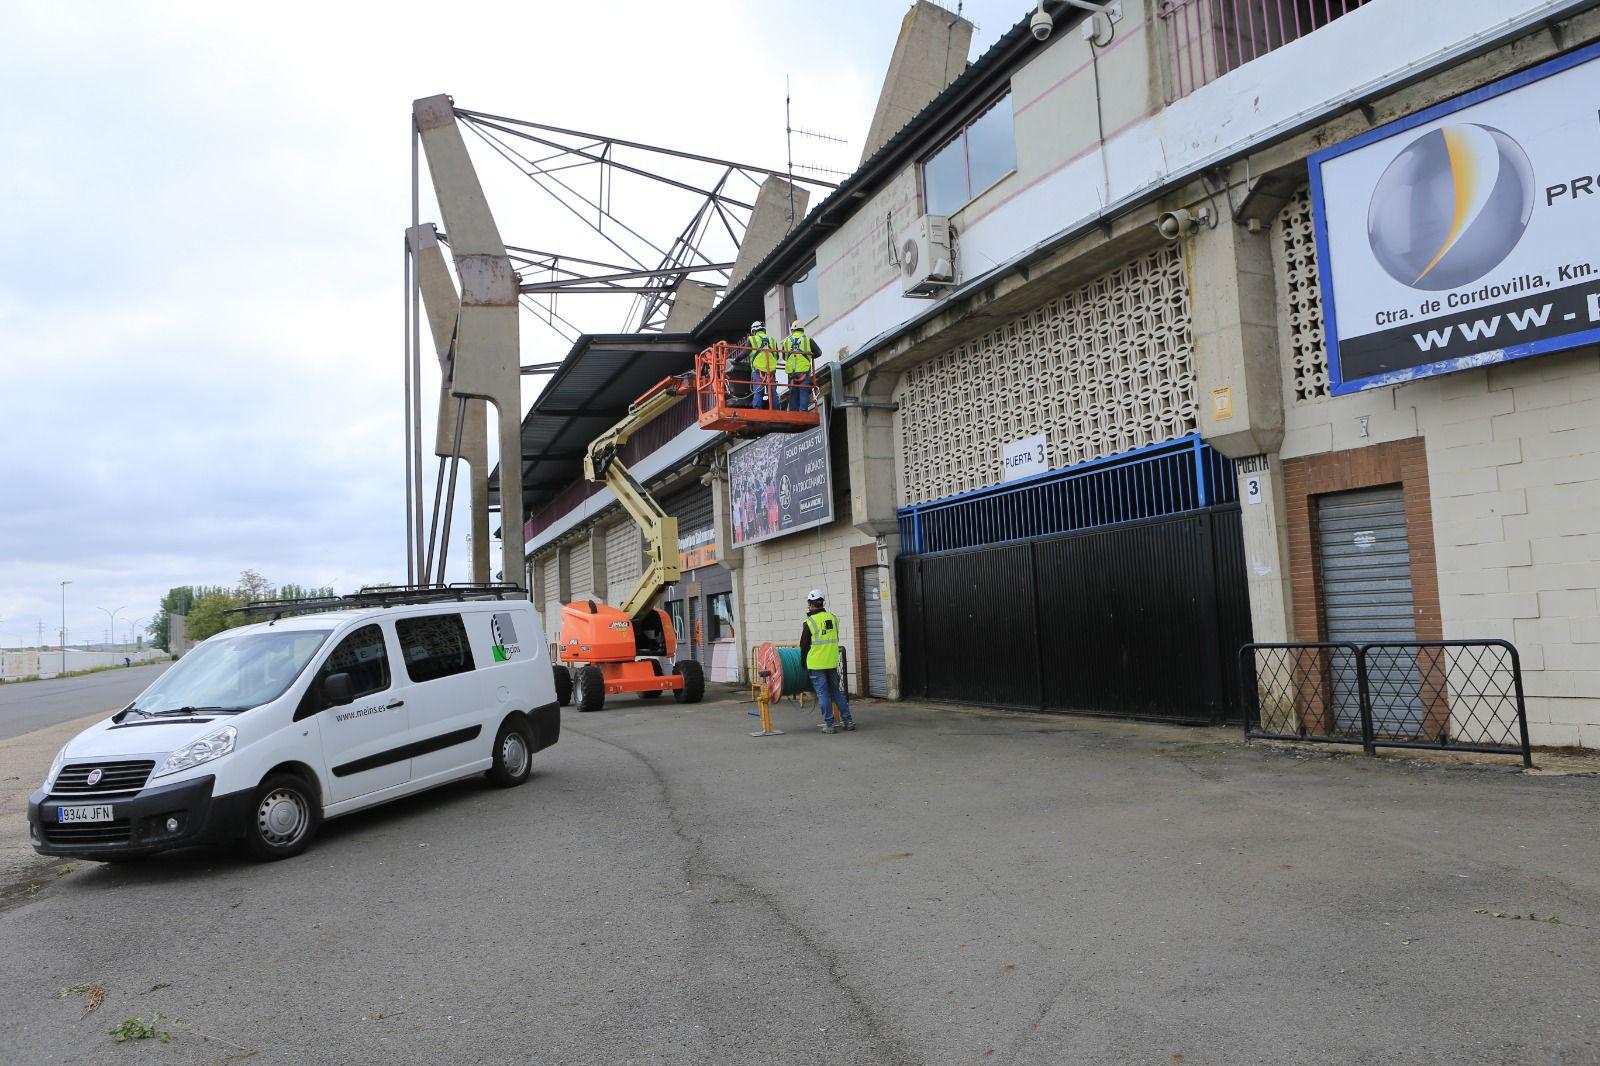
1266,549
444,309
487,351
778,207
1233,308
874,491
1233,311
536,583
732,559
597,562
564,571
929,54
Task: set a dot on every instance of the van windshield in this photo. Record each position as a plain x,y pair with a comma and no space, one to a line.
233,674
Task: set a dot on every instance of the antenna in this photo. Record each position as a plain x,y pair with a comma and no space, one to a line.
790,132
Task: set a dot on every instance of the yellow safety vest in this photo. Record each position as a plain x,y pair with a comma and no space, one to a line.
824,651
762,356
797,354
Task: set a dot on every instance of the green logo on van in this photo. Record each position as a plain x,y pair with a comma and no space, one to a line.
505,637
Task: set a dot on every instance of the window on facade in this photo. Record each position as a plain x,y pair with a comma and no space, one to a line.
434,647
675,612
363,656
803,296
982,153
722,616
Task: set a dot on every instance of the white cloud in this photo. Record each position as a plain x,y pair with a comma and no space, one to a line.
203,208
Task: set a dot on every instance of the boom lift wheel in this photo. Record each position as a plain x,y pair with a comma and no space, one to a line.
563,685
590,691
655,668
694,681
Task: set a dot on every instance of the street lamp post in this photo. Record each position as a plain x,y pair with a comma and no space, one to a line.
111,623
133,627
64,585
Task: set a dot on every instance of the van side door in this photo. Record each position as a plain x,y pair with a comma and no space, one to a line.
363,741
444,694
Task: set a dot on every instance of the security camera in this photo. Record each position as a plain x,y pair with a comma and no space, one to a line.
1041,24
1175,224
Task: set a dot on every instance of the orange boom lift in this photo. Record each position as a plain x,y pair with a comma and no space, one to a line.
611,650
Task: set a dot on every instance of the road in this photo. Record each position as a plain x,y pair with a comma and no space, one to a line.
939,887
29,705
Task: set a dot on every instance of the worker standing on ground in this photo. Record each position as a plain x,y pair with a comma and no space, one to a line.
764,361
819,648
738,368
799,355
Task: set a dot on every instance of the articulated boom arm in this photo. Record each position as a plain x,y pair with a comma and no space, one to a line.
660,529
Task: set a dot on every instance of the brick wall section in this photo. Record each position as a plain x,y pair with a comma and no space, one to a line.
1403,463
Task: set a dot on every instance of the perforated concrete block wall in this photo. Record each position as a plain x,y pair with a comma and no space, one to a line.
1098,370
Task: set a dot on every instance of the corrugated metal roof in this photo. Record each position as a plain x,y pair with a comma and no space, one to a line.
600,376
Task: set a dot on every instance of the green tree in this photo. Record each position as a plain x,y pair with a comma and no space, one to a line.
177,601
252,586
207,617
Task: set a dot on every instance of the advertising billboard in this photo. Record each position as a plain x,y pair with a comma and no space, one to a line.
778,484
1464,235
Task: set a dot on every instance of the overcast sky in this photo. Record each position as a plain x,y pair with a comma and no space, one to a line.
202,208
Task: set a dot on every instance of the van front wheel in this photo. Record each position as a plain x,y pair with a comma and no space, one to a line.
284,818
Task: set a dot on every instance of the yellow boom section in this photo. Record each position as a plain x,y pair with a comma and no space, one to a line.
660,529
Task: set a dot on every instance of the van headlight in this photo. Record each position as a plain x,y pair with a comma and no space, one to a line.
211,746
55,767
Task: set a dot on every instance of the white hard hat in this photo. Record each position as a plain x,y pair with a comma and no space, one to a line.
815,596
758,324
798,325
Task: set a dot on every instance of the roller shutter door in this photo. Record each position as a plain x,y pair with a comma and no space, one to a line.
552,597
582,571
1366,598
876,674
624,560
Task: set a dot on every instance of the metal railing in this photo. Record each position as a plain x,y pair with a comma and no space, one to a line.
1208,38
1451,695
1150,482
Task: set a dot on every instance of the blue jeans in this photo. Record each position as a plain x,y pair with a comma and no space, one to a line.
798,399
764,389
825,683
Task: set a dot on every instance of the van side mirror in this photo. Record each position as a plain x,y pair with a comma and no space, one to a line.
337,690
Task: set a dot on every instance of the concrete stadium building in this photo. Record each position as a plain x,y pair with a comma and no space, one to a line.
1091,425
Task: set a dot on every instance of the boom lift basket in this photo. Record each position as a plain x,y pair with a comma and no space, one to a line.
723,398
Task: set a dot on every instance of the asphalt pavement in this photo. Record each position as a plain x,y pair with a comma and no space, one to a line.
941,886
29,705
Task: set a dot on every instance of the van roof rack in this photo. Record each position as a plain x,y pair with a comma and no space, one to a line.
382,596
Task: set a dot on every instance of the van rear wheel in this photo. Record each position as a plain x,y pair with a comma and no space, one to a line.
513,755
590,692
283,819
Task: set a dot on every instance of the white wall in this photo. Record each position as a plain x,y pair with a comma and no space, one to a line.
1062,181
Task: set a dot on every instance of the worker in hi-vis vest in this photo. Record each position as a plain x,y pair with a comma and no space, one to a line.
819,647
799,355
738,368
764,362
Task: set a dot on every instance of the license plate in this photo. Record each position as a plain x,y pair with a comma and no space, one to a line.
99,813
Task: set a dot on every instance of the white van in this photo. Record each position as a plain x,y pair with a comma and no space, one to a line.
262,732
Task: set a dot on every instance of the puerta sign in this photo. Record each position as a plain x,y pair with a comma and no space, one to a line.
1464,235
778,484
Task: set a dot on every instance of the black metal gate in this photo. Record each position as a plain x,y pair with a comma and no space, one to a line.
1141,619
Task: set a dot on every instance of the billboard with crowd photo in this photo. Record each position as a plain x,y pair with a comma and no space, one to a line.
778,484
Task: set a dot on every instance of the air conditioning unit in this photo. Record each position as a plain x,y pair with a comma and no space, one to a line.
927,266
